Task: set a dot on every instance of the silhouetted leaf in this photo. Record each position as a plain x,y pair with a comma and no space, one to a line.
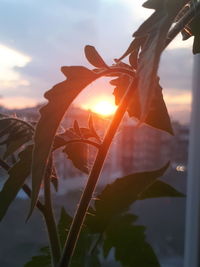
128,241
160,189
92,128
60,97
77,129
78,154
155,31
118,196
94,58
42,260
82,257
16,133
15,144
157,117
63,225
133,48
17,176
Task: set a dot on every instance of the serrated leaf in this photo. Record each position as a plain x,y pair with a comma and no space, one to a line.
153,4
63,225
15,144
81,257
157,117
42,260
155,30
94,58
160,189
118,196
128,241
78,154
17,133
17,176
60,97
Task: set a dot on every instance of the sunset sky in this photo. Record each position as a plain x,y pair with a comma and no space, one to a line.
38,37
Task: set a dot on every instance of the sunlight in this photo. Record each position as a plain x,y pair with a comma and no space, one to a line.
104,107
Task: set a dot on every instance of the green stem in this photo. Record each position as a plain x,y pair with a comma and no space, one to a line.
103,150
92,180
49,218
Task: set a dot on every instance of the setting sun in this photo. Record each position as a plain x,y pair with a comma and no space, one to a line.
104,107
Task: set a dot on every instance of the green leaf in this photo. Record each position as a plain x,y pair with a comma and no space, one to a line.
118,196
15,144
63,226
17,176
60,97
133,48
128,241
155,31
77,152
42,260
153,4
94,58
17,133
82,257
157,117
160,189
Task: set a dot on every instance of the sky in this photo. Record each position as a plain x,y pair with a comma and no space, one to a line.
38,37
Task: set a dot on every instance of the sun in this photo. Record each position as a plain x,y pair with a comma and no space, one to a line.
103,107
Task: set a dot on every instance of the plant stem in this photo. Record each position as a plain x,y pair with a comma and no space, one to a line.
193,12
49,218
103,150
92,180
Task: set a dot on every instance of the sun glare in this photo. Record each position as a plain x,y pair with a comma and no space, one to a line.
102,107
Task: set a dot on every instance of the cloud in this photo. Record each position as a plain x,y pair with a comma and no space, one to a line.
54,33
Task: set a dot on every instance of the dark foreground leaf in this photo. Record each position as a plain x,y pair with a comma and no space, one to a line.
160,189
42,260
157,116
128,241
60,97
17,176
118,196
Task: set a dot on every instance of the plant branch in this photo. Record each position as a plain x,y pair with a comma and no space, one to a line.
103,150
49,218
25,187
92,180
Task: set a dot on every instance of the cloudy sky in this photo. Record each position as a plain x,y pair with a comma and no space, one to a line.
38,37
